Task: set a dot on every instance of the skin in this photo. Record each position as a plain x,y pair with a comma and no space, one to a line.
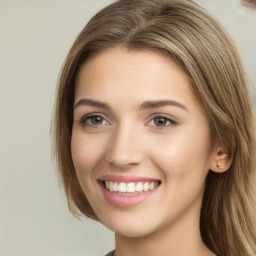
128,139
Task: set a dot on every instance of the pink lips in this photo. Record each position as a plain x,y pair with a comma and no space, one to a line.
125,178
125,200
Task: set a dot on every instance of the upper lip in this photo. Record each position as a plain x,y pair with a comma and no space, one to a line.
126,178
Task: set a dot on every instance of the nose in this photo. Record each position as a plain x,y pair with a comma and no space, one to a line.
125,147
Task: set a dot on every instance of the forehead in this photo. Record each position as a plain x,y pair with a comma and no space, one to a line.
123,71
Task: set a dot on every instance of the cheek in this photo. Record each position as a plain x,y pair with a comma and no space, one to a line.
86,153
184,153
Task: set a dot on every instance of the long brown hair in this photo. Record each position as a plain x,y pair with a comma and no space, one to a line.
203,49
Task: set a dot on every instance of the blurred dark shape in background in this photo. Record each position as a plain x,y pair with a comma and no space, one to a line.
250,3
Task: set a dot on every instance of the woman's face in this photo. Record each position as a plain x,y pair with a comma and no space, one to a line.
141,143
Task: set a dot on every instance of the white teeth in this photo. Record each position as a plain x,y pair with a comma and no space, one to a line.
130,187
115,187
151,185
107,184
122,187
139,187
146,186
111,186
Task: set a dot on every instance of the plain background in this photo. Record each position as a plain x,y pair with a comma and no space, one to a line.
35,36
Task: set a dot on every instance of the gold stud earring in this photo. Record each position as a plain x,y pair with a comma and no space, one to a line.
218,165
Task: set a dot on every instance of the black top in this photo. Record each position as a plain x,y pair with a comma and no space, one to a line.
112,253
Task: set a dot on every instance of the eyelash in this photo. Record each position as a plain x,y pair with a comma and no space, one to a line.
87,121
169,121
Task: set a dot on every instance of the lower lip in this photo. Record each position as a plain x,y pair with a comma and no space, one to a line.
126,201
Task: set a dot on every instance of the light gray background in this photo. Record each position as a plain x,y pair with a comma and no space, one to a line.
35,36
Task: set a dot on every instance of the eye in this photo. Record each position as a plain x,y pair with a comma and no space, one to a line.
162,121
94,120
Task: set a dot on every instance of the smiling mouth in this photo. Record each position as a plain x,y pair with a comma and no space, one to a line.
130,188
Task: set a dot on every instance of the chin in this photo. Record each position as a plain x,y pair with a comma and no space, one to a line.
129,227
132,231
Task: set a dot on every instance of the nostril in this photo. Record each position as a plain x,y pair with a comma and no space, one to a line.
124,148
122,163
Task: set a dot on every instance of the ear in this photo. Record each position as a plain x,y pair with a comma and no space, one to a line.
221,160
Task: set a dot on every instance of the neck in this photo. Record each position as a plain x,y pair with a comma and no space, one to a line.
180,239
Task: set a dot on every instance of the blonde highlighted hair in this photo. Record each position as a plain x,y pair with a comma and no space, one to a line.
203,49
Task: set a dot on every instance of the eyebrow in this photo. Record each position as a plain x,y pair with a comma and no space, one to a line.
162,103
93,103
144,105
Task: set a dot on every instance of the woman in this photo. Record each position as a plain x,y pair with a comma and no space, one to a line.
154,131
